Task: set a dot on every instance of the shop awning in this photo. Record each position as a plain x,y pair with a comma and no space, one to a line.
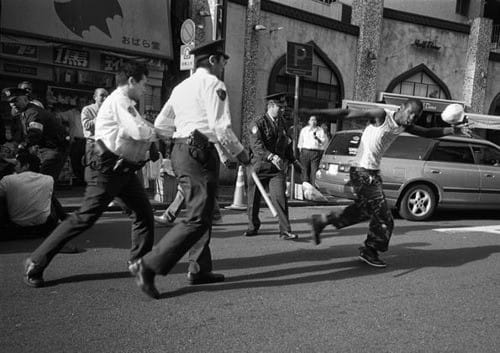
433,105
481,121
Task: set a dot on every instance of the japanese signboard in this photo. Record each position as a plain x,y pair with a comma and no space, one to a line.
71,57
299,59
141,27
188,31
187,60
20,50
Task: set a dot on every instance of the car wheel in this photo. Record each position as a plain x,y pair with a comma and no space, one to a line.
418,203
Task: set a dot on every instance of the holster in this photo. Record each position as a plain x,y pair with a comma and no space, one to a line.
197,139
103,159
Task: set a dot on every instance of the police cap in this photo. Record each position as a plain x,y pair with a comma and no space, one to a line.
12,93
212,48
279,98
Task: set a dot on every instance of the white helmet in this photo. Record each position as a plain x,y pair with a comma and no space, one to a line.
453,114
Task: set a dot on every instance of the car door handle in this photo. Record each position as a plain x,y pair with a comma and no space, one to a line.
435,171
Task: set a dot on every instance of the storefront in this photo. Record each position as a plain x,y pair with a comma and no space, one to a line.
67,49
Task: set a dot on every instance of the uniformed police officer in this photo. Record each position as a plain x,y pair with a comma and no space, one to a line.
271,151
42,131
123,138
197,116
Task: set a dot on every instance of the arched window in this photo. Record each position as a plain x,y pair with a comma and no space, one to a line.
495,106
419,81
324,89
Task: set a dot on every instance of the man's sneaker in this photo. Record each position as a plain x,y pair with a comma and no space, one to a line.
370,257
317,226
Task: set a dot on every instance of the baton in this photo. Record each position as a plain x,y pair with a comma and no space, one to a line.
264,194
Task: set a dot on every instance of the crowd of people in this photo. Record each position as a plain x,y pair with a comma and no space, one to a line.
194,128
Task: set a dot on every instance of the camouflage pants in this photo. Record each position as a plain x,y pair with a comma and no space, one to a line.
369,204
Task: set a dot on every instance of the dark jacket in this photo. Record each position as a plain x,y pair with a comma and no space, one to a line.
266,138
43,128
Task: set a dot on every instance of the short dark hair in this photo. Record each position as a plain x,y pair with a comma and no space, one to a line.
130,69
415,104
27,159
204,61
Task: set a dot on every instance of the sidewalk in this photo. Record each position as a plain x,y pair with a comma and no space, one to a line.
71,199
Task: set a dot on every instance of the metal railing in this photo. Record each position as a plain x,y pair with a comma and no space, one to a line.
495,37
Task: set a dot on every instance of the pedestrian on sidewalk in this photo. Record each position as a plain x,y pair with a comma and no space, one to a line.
123,138
383,128
311,143
196,116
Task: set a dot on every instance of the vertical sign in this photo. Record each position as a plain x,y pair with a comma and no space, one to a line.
299,59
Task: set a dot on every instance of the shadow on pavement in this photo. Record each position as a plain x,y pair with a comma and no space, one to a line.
404,257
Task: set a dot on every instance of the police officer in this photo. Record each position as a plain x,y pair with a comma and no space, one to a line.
197,116
43,132
272,152
123,138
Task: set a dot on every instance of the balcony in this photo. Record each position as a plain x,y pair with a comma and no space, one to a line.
495,39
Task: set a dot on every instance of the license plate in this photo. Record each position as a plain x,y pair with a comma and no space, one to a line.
333,169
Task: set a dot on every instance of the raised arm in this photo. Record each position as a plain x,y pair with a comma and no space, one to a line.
376,115
461,129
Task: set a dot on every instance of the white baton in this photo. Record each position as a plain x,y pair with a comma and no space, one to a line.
264,194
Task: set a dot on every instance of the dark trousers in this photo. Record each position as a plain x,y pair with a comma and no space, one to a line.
51,163
370,204
76,155
197,172
176,206
97,197
276,184
310,162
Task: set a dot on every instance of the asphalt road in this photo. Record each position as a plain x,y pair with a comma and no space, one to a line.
440,292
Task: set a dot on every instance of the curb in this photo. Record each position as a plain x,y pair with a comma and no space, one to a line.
223,204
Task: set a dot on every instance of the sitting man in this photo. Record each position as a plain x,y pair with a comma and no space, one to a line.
26,209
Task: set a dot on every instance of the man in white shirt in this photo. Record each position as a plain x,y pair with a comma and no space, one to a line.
25,198
88,115
196,116
123,138
311,143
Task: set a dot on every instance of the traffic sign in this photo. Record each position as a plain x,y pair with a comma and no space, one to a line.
187,60
188,31
299,59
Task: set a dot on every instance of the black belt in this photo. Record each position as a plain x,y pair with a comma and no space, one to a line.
188,141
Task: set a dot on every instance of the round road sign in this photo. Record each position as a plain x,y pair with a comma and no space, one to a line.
188,31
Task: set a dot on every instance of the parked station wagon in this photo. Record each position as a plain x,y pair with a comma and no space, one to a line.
420,174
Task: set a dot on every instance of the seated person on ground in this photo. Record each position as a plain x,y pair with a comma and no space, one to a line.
25,199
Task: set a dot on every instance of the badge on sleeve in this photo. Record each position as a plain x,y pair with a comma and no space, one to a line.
222,94
254,130
132,112
35,126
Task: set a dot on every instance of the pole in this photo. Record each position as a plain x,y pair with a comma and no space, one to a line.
294,137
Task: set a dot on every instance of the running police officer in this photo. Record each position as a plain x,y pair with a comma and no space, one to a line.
123,138
272,152
197,114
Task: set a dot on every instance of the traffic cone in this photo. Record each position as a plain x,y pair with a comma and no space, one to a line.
239,192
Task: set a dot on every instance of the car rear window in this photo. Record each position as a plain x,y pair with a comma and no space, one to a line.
345,144
405,147
453,152
409,147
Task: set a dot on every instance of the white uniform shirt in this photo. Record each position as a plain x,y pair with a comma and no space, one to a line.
28,197
122,129
375,140
200,103
308,141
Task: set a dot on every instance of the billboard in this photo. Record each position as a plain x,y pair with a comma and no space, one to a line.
141,27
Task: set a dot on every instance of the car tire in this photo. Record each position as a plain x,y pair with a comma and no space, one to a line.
418,203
